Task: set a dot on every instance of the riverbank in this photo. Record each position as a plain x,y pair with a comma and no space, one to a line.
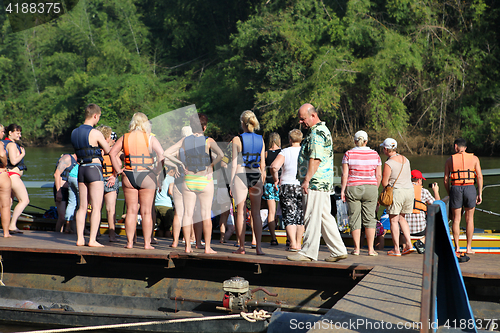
417,144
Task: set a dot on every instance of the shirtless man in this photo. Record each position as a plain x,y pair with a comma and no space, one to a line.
461,171
88,142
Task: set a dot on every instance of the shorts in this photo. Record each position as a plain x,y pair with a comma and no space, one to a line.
64,191
115,187
420,233
402,202
291,204
164,217
362,203
89,173
463,196
270,192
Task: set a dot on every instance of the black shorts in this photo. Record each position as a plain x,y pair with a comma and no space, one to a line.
64,191
463,196
89,173
419,234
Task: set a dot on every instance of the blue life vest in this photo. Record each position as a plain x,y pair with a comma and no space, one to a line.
65,173
21,164
251,148
83,150
197,158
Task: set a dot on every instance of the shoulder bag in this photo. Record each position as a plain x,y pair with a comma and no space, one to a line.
386,196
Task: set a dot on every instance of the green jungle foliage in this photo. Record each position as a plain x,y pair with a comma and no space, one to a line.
402,68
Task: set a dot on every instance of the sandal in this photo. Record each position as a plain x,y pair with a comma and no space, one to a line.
354,253
394,254
274,242
407,251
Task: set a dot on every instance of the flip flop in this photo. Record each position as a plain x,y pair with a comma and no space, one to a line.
354,253
17,231
374,254
407,251
393,254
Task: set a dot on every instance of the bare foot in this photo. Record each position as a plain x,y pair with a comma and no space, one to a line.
113,240
173,245
6,235
188,251
239,251
210,251
259,252
129,246
80,242
95,244
148,247
470,252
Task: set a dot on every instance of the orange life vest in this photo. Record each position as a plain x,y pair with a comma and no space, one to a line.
136,149
418,204
107,167
463,169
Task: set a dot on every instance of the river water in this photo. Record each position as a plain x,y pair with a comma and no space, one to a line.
41,163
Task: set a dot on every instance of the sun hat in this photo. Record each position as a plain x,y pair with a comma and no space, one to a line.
360,135
389,143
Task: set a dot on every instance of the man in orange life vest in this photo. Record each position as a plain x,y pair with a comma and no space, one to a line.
417,219
460,173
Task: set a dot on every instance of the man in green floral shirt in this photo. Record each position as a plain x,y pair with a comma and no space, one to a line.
315,173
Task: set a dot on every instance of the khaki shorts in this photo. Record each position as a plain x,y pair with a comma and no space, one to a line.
402,202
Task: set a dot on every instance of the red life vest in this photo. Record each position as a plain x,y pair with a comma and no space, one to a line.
463,169
418,204
136,149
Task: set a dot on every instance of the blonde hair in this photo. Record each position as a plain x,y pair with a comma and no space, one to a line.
360,142
250,120
140,122
105,130
295,135
186,131
274,138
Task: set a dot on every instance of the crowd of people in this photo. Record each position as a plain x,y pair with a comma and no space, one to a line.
174,188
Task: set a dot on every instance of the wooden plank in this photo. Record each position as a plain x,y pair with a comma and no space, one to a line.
486,266
387,297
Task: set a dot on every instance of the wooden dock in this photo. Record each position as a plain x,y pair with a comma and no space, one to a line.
389,288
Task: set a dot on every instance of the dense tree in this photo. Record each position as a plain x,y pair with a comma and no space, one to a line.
424,69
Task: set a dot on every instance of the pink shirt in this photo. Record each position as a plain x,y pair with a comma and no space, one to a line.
362,162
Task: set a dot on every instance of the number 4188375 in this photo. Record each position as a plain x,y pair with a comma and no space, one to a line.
33,8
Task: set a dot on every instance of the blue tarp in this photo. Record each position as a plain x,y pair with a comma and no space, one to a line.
452,302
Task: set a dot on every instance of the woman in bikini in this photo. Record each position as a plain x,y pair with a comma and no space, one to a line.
247,174
141,170
15,169
198,180
5,189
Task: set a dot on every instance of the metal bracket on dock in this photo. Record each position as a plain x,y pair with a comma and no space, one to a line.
355,275
170,263
259,269
82,260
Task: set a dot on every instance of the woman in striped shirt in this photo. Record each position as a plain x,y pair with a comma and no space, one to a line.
361,175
